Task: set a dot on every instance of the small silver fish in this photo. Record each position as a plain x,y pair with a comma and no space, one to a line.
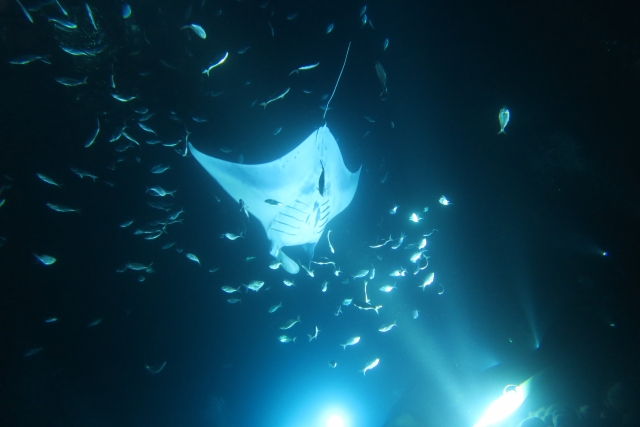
329,241
27,59
304,67
282,95
382,76
47,180
126,223
414,218
26,13
231,236
313,337
193,258
428,280
90,13
122,98
330,28
361,273
91,140
290,323
160,192
147,128
370,366
196,29
155,369
351,341
126,11
136,266
274,308
59,208
45,259
275,265
399,241
68,81
212,66
63,22
160,169
255,285
388,288
503,117
82,173
309,272
387,328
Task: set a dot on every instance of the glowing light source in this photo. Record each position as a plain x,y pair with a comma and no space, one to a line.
512,397
335,421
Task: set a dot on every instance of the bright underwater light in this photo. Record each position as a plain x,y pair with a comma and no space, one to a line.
512,397
335,421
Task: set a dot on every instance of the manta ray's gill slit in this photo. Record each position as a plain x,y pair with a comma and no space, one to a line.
291,216
321,226
325,216
283,232
286,224
296,209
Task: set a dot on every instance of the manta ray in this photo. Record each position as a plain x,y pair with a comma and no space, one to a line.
293,197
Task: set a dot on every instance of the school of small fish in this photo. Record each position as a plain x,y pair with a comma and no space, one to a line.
134,128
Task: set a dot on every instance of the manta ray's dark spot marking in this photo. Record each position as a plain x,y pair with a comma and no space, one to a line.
321,181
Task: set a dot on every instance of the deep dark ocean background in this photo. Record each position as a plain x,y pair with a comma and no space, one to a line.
518,253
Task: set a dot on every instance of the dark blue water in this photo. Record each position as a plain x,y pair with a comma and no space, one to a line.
518,255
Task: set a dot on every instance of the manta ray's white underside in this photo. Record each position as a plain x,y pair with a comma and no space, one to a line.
311,184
